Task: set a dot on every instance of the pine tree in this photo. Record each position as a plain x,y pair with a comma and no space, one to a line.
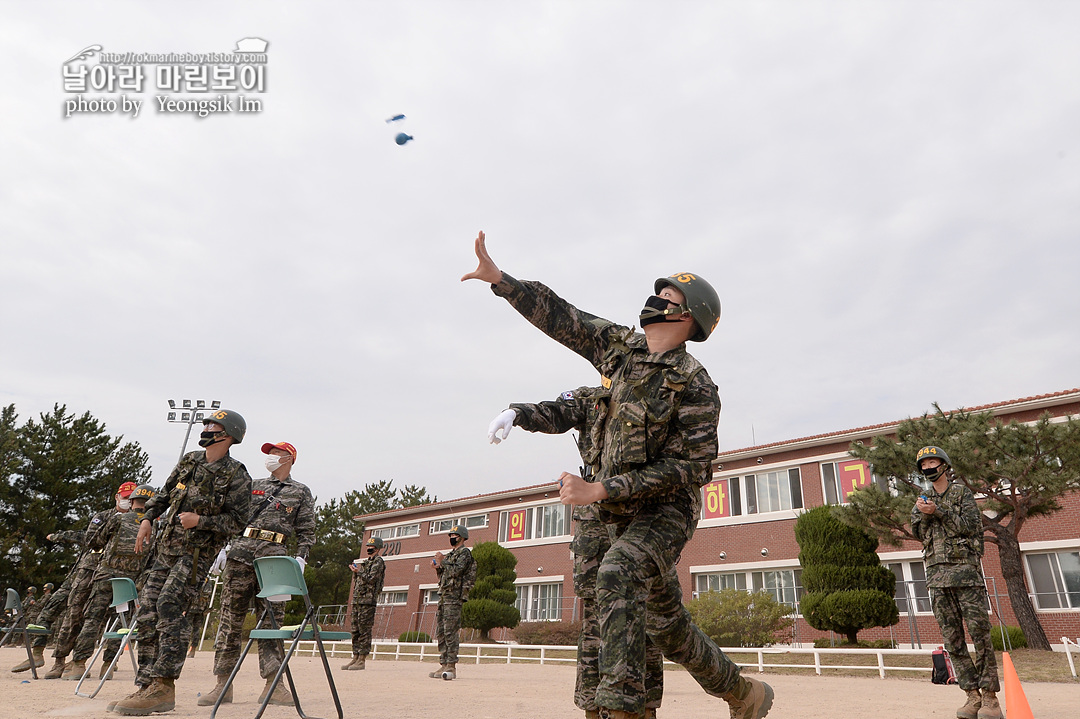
847,589
1020,470
491,601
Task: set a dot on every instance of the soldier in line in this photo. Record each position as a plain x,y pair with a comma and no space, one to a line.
39,604
281,509
50,610
658,442
81,584
205,500
368,577
457,574
948,522
578,409
116,540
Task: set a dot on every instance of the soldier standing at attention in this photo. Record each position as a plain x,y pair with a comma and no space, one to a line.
658,440
281,509
367,585
457,574
205,500
579,410
948,522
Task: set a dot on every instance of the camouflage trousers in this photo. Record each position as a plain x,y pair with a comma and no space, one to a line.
53,609
590,543
953,608
447,624
96,616
72,622
638,595
363,619
239,587
164,628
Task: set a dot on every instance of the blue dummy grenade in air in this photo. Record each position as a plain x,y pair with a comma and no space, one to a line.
402,138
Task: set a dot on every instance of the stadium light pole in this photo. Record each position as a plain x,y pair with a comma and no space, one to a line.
189,415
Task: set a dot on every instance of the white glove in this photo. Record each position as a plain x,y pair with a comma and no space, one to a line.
219,563
504,422
303,564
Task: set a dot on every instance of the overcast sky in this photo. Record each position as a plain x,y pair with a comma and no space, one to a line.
885,195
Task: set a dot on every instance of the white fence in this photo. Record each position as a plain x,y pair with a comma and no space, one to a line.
555,654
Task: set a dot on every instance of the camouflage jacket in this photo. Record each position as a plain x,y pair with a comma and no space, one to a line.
456,575
290,512
952,538
657,439
85,538
220,493
117,542
368,580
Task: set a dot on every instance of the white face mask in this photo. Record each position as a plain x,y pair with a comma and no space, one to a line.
273,462
124,504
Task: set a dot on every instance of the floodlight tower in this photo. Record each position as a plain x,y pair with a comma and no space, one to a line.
189,415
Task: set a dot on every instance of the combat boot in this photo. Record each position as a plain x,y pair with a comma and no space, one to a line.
208,699
970,710
281,696
990,708
57,669
449,672
160,696
111,706
650,712
352,662
105,672
617,714
437,674
39,660
74,670
750,699
592,714
191,652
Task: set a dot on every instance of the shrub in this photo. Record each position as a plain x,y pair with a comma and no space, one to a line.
737,618
1016,638
491,601
414,637
558,633
875,644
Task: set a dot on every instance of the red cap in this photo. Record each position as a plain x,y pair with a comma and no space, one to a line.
126,489
280,445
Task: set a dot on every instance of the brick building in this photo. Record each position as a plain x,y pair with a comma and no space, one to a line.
745,538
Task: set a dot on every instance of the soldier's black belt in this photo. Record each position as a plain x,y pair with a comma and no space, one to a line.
265,535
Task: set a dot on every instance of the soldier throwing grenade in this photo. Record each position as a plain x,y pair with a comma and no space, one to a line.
368,575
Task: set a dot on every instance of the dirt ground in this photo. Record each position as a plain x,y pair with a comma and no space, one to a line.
499,691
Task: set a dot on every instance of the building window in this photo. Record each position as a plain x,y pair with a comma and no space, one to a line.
772,491
716,582
393,598
783,584
911,583
477,521
840,479
1056,579
405,530
539,602
431,596
549,520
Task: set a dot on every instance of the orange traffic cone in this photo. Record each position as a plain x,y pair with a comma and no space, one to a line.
1016,704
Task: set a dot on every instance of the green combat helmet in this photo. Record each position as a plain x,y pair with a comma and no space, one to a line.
932,453
49,586
143,491
460,530
234,424
702,302
376,542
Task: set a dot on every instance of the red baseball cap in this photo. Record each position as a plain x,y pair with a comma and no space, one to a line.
280,445
126,489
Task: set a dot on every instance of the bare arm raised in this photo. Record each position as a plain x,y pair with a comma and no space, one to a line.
486,270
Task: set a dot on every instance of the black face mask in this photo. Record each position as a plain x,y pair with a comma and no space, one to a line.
454,541
209,438
934,473
371,550
656,310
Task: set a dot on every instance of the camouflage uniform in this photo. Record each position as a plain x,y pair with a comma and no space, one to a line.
367,585
55,607
290,512
118,559
952,547
220,492
456,577
82,583
39,606
652,448
578,410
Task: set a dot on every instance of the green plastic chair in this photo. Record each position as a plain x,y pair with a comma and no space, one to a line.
126,603
280,579
13,603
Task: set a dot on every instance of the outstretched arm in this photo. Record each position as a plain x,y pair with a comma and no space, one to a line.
486,270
